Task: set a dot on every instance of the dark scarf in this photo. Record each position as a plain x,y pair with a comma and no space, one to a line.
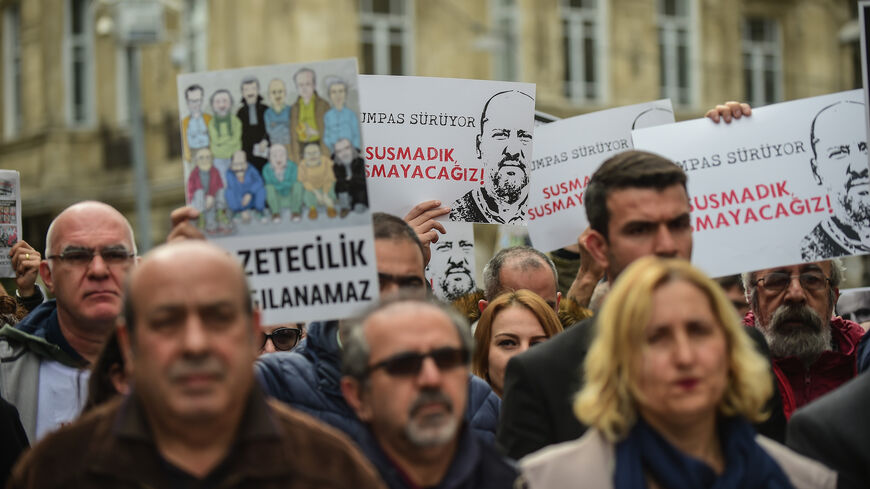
747,465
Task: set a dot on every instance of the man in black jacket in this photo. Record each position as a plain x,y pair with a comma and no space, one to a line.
637,205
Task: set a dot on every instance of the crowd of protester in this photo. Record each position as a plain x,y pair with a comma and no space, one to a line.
613,363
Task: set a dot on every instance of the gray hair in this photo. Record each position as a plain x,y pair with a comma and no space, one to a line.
334,80
250,79
525,257
750,287
355,350
305,70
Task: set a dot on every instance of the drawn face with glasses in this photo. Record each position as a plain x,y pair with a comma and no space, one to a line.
415,386
793,307
280,338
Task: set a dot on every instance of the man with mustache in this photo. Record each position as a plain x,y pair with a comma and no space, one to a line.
504,147
406,374
44,359
195,416
839,165
813,352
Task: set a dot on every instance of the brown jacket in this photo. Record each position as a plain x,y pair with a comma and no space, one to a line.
111,447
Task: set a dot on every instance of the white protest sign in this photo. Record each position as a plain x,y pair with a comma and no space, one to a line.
466,143
786,185
451,268
10,218
567,153
276,172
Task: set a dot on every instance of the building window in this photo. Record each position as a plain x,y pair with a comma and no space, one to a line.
675,52
195,33
582,49
12,71
79,62
386,36
506,28
762,61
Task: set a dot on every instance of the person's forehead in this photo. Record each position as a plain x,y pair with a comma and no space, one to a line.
508,111
398,257
636,203
539,280
208,279
408,327
94,228
832,125
194,95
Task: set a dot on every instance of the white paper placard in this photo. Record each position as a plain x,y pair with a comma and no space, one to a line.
279,180
567,153
467,143
786,185
10,218
451,268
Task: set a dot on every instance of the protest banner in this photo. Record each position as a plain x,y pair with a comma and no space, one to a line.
786,185
467,143
864,25
276,173
450,271
10,218
567,153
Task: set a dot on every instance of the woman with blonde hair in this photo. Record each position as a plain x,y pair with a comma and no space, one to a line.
672,383
511,324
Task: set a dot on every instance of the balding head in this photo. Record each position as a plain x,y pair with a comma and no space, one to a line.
80,213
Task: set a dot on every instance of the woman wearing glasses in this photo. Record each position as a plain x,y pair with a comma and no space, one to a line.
281,337
672,384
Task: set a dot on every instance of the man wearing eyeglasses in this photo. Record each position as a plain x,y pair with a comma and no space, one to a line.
281,337
813,352
406,374
44,359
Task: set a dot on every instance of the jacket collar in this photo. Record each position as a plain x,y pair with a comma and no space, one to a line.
40,333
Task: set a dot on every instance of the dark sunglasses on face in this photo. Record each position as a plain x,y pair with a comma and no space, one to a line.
405,364
283,338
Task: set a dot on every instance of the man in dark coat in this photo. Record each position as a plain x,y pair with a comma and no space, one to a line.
255,139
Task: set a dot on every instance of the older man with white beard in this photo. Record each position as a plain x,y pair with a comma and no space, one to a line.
406,371
813,352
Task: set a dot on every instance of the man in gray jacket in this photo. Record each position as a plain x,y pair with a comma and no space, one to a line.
44,358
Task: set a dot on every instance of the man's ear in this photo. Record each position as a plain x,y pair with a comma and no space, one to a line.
477,146
481,305
352,391
815,171
558,299
257,327
45,273
597,245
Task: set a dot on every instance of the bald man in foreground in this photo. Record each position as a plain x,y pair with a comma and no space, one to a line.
44,358
195,417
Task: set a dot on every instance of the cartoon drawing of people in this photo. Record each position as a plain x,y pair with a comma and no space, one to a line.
194,127
339,121
224,131
306,114
283,189
205,192
839,165
504,146
318,179
255,139
245,192
350,178
278,115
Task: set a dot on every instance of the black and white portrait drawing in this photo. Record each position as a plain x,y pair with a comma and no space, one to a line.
839,165
451,268
504,148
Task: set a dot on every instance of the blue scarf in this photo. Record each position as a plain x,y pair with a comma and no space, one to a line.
747,465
